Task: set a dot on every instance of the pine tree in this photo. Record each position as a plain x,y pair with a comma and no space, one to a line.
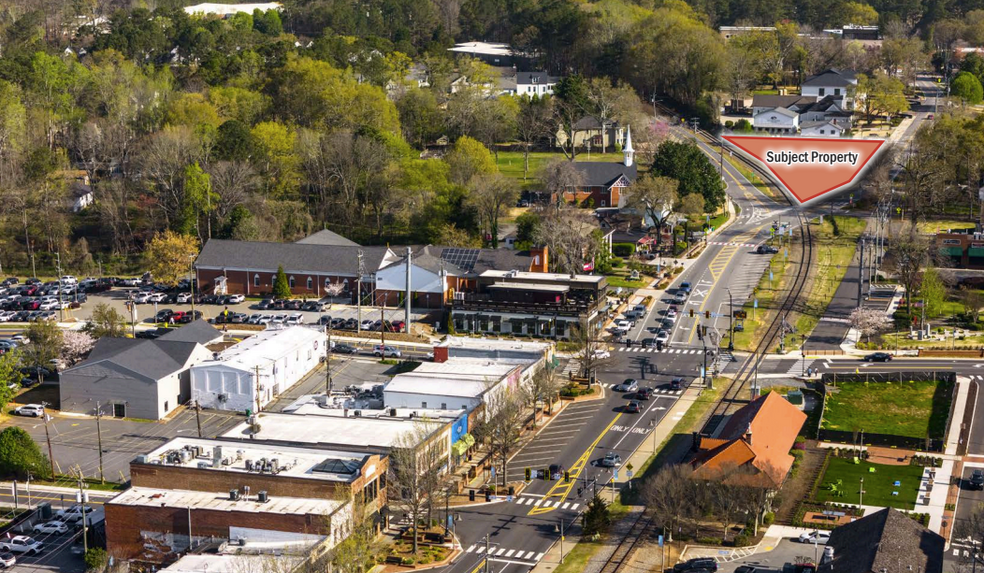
281,286
597,517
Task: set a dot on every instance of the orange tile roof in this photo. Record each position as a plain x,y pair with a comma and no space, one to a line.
759,435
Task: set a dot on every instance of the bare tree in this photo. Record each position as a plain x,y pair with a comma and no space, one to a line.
669,496
567,231
973,302
163,160
414,465
533,123
542,387
490,196
592,351
654,197
905,257
610,102
558,176
501,424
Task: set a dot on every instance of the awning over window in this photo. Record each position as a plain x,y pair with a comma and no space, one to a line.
953,251
975,252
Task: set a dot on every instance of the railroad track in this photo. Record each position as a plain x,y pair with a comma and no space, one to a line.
639,531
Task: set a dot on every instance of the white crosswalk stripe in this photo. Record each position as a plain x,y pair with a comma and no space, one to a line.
505,552
510,552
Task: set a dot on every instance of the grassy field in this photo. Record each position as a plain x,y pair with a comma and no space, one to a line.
766,292
511,162
832,256
912,409
933,227
878,485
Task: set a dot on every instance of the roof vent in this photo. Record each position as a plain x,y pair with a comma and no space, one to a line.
262,497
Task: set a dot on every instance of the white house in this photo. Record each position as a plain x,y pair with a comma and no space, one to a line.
248,375
226,10
534,83
833,82
81,196
777,120
823,128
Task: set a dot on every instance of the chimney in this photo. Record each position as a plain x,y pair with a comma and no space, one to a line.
440,354
748,435
541,259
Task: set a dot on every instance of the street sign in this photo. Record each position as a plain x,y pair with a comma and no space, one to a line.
615,473
660,539
755,303
628,474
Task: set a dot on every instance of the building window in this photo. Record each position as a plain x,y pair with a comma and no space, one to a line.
256,280
603,203
444,405
821,132
291,281
822,90
310,283
423,404
837,91
165,406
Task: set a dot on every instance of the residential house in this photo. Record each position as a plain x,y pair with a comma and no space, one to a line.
779,120
226,10
590,133
136,378
80,196
886,541
832,82
790,114
604,182
756,439
822,128
534,84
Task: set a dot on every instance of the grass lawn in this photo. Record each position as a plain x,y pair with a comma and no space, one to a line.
888,340
833,254
511,162
912,409
878,486
941,226
753,178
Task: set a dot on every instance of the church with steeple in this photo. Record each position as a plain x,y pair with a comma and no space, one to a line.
605,182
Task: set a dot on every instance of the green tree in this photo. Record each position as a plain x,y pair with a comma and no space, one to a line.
692,206
686,163
96,559
490,196
880,94
170,255
856,13
281,286
420,117
20,456
10,376
967,87
527,229
654,196
233,141
467,159
198,202
276,159
106,321
45,344
933,291
597,517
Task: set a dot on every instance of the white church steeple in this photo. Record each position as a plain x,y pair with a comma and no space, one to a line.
627,150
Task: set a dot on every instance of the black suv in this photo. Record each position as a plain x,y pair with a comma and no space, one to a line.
977,479
676,383
698,564
766,250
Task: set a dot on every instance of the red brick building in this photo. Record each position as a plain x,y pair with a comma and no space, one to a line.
604,183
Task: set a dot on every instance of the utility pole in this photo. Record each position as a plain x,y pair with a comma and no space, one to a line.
487,548
328,364
731,321
100,441
695,121
358,296
407,301
47,436
192,284
861,273
198,417
61,311
382,324
85,516
257,370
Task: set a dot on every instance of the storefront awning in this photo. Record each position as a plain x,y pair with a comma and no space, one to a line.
975,252
952,251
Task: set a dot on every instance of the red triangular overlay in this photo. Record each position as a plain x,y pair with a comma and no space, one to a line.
822,172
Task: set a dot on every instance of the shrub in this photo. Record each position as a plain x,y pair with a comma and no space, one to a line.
20,455
709,540
597,517
95,559
623,249
741,541
743,125
768,518
729,124
616,262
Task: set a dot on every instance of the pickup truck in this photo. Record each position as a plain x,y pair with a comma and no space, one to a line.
22,544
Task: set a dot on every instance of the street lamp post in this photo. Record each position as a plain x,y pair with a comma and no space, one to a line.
731,322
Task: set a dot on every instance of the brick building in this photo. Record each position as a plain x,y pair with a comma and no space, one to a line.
604,182
961,250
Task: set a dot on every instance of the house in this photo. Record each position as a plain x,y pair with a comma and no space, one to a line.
133,378
832,82
226,10
591,133
887,541
80,195
250,374
534,84
757,438
604,182
787,114
778,120
822,128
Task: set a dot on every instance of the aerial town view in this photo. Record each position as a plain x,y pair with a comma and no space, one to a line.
491,286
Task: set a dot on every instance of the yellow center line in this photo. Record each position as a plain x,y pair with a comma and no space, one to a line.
561,490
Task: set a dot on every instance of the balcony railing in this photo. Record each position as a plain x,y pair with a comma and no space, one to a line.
569,308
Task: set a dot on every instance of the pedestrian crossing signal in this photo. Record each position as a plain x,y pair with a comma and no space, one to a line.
529,474
567,476
691,313
707,314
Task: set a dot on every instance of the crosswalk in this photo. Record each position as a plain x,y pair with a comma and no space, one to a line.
977,378
657,391
731,244
504,552
548,504
663,351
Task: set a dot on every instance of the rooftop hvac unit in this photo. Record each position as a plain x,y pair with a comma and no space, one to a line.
216,456
249,465
262,497
203,465
233,495
141,459
393,412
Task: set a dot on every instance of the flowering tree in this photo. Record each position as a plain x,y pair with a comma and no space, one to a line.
868,321
75,345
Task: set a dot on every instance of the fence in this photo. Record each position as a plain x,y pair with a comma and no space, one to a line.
887,440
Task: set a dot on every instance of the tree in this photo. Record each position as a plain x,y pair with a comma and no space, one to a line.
906,254
693,207
686,163
570,104
106,321
973,302
597,517
933,291
742,68
76,344
170,256
654,196
199,201
609,102
542,387
533,124
566,231
558,176
414,463
20,456
501,424
490,195
281,286
420,117
45,344
880,94
967,87
868,321
668,495
586,337
527,228
858,14
468,158
10,376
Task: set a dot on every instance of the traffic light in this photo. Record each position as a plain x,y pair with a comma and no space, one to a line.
707,314
700,333
567,476
544,475
529,474
704,329
691,313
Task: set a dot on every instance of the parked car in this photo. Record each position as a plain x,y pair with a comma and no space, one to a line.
254,319
663,336
31,410
342,348
313,306
878,357
182,297
296,318
610,460
73,513
141,297
633,407
51,527
977,479
189,317
629,385
697,564
163,315
386,351
671,314
22,544
644,394
677,383
766,250
235,299
265,304
7,559
293,304
680,297
819,537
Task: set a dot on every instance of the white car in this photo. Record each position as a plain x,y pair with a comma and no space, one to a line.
279,319
296,318
265,319
32,410
818,537
623,325
157,297
51,527
73,513
671,315
601,354
183,298
663,337
141,297
22,544
235,299
7,559
69,280
680,297
48,305
254,319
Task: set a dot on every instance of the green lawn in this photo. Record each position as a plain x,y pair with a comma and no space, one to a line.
511,162
911,409
765,293
878,486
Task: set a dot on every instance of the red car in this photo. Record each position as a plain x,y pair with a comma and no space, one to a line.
177,316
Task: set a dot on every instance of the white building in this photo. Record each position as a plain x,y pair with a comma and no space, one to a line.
833,82
458,384
250,374
778,120
534,84
828,128
226,10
